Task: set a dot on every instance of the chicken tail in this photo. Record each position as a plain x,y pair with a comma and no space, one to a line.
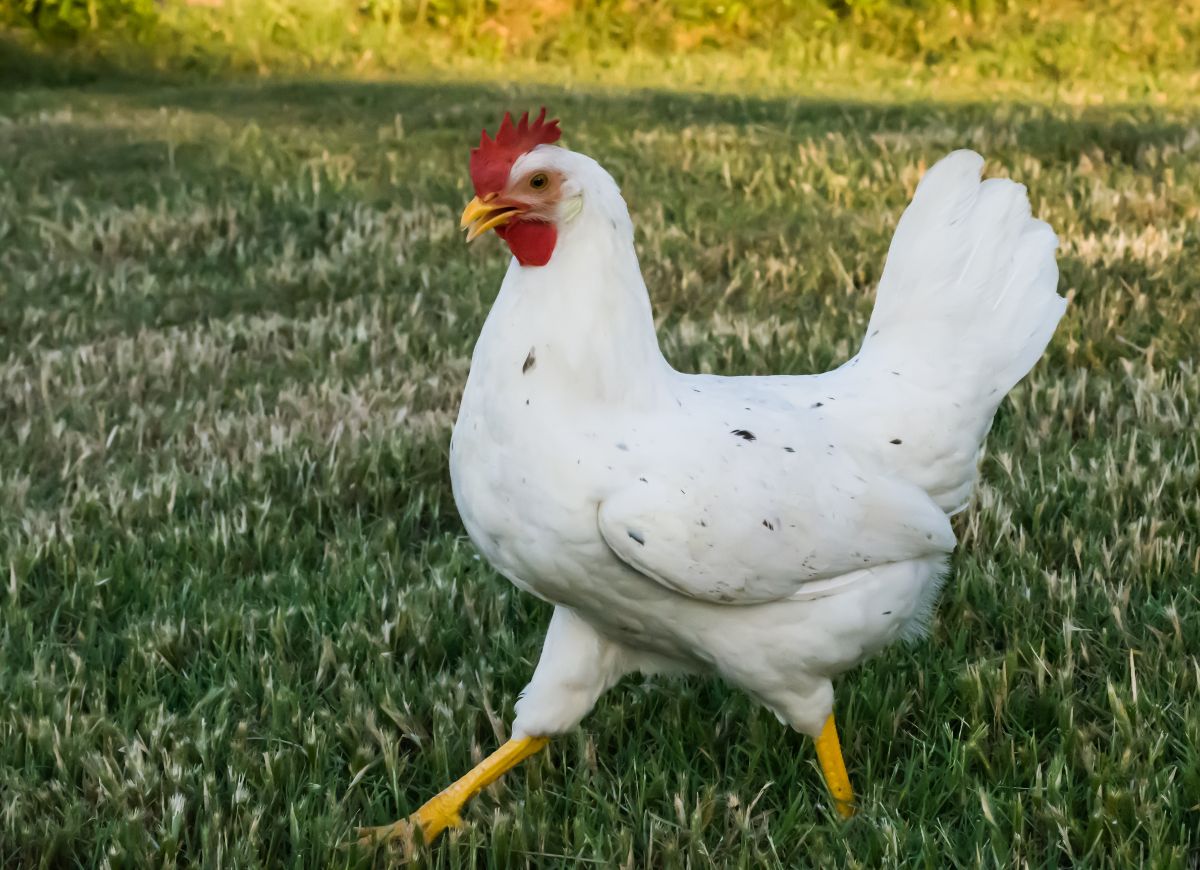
967,304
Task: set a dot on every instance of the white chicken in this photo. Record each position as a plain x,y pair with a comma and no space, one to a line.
775,530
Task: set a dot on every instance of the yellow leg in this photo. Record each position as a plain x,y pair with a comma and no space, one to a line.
833,766
441,811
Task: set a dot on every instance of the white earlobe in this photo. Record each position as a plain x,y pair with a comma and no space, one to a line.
572,207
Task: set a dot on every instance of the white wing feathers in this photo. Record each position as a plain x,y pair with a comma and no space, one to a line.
759,524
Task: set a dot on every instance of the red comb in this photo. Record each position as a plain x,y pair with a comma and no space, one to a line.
493,159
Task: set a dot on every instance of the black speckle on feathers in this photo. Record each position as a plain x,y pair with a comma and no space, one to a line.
530,362
745,434
636,536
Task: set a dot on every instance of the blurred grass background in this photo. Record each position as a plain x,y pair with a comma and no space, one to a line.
238,613
1077,49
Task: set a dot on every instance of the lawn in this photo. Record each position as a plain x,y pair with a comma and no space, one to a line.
239,615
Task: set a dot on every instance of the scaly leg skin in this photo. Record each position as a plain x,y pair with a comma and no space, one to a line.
833,766
441,811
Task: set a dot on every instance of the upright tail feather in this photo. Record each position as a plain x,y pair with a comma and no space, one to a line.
967,304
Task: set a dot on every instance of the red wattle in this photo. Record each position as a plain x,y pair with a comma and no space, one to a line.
532,242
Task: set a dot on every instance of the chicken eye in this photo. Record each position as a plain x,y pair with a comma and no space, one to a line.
539,181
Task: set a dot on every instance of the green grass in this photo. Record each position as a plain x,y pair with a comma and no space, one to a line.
238,612
1081,50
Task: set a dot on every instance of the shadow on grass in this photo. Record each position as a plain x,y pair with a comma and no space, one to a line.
449,113
1052,133
24,63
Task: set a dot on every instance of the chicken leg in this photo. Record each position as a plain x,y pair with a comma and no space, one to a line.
833,767
442,810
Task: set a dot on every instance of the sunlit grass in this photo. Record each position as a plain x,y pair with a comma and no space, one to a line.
238,613
1076,51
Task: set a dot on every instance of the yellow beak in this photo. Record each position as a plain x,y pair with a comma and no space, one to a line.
480,216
